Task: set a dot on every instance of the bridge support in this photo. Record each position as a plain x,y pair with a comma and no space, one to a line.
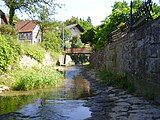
64,62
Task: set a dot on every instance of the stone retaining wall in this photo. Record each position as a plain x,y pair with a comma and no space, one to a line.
138,54
28,62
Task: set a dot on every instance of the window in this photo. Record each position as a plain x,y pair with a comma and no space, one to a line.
23,36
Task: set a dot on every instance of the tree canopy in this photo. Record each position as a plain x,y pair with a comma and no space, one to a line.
30,7
85,24
99,37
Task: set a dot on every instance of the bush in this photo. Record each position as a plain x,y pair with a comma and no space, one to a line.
116,79
37,78
33,50
52,42
9,52
8,30
76,42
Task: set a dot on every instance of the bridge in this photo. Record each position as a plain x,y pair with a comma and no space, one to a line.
69,51
87,50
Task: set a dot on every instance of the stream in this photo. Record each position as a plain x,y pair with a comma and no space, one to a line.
61,103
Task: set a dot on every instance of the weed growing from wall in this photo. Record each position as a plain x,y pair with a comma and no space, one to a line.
116,79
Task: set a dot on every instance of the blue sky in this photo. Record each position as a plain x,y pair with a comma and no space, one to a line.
96,9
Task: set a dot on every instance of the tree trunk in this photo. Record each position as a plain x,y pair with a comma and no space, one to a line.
11,14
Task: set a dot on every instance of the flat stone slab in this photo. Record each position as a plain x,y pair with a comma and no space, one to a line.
116,104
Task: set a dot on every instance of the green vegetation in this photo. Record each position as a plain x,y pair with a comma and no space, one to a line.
116,79
8,30
85,24
32,78
31,7
34,51
37,78
9,52
98,37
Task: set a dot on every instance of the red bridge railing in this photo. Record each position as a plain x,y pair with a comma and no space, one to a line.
78,50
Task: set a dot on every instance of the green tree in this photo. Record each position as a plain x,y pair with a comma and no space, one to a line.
52,42
89,20
88,36
74,20
76,42
120,14
44,20
28,6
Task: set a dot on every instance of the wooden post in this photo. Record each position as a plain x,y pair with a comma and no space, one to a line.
131,16
64,59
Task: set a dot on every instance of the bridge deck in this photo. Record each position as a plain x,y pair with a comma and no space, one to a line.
78,51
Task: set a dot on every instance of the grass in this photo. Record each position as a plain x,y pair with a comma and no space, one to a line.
89,66
34,51
32,78
116,79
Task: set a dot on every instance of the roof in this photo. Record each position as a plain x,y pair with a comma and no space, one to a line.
76,25
25,26
3,16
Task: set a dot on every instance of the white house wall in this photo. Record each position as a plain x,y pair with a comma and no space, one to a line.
75,31
0,21
36,38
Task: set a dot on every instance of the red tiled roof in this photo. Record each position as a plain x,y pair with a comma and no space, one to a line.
25,26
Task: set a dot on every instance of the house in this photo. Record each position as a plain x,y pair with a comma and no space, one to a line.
75,29
3,19
29,31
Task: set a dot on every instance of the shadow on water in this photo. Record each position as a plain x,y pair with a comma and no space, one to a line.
63,103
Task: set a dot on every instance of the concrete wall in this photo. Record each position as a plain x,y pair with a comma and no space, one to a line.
138,54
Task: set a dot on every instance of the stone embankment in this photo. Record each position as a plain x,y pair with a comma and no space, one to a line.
110,103
4,88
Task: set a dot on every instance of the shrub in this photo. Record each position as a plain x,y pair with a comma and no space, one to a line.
52,42
9,52
8,30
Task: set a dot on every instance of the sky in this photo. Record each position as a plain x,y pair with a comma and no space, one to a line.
98,10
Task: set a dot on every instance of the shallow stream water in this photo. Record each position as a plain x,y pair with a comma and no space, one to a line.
61,103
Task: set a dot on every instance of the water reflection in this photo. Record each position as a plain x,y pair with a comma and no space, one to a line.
53,104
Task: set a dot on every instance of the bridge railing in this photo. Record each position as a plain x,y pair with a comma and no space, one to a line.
140,17
78,50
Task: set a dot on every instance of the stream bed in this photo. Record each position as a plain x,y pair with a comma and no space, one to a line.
61,103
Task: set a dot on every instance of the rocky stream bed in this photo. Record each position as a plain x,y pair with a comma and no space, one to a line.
110,103
66,103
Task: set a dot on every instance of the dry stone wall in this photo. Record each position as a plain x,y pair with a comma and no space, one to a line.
27,61
138,54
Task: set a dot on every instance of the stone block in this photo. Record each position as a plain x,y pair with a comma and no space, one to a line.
155,78
154,65
153,50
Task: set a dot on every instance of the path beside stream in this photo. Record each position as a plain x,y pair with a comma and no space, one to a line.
110,103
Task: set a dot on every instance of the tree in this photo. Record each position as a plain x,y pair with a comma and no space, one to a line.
44,20
29,6
85,24
73,20
89,20
120,14
88,36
